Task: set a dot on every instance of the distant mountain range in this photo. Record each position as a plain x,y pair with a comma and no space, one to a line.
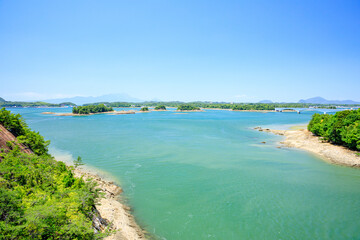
320,100
266,101
104,98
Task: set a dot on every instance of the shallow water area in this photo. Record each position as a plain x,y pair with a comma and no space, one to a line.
207,175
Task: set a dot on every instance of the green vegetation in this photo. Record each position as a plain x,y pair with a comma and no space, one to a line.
39,197
160,107
187,107
91,109
342,128
221,105
144,109
34,104
259,106
17,126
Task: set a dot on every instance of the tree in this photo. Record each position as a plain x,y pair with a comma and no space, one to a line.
78,162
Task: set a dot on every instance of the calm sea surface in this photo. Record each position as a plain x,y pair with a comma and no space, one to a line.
208,176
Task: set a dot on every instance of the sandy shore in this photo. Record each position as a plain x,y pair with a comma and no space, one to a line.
113,210
303,139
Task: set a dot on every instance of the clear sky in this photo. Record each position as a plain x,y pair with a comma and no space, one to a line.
180,50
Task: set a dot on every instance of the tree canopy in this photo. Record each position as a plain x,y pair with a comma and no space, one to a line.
342,128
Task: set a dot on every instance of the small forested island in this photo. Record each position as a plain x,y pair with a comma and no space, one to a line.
91,109
160,108
342,128
39,197
144,109
187,107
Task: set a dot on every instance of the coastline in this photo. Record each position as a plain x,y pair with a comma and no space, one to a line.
75,114
187,111
305,140
262,111
112,209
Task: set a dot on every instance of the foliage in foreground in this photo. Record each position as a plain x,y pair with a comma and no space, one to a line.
91,109
41,199
17,126
342,128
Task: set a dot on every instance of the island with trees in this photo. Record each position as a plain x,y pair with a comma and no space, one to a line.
160,108
223,105
92,109
188,108
144,109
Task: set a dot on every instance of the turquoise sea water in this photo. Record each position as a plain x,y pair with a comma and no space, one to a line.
207,175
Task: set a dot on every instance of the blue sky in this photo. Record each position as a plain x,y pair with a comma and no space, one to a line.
242,51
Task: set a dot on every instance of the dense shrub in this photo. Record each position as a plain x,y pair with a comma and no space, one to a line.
342,128
144,109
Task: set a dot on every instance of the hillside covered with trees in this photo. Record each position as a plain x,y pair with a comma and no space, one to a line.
39,197
342,128
33,104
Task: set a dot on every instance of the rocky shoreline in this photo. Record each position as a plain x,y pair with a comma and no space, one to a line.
111,210
306,140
